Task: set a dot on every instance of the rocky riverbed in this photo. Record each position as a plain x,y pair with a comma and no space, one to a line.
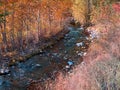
59,57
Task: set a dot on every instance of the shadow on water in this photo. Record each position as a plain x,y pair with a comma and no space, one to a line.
62,56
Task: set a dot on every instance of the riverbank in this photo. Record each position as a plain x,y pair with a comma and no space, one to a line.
15,56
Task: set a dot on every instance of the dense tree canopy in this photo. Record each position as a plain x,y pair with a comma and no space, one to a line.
24,22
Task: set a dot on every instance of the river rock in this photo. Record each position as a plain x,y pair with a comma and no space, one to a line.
79,44
80,54
65,58
67,66
35,66
80,29
4,71
70,63
84,54
65,51
55,54
38,65
94,34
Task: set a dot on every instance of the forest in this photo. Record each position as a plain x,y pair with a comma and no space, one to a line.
23,23
45,39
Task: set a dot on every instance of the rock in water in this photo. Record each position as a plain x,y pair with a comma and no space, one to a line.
80,29
79,44
1,70
67,67
80,54
70,63
34,66
4,71
38,65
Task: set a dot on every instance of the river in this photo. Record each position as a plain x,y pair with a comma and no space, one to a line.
60,57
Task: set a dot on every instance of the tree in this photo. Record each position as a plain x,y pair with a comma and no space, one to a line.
24,22
82,10
3,16
87,11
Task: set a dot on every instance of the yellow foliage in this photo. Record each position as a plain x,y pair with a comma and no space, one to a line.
93,10
79,10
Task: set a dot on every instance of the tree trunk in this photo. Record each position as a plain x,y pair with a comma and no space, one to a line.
49,17
21,40
38,25
12,29
0,50
88,12
4,32
20,36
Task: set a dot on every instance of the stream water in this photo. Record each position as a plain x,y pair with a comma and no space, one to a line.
62,56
